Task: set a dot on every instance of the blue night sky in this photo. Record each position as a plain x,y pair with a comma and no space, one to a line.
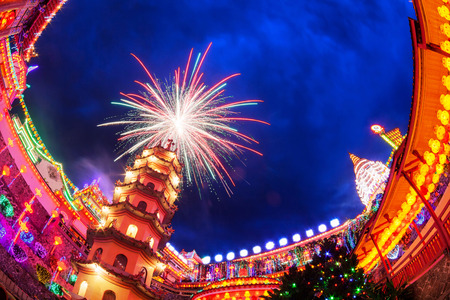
326,70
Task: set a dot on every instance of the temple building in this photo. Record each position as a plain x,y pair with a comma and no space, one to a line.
135,226
370,178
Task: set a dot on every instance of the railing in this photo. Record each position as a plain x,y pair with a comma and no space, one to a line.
420,262
75,239
426,251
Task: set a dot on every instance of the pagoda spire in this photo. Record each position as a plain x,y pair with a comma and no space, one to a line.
370,178
355,159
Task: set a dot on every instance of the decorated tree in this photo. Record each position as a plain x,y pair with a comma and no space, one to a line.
43,274
332,274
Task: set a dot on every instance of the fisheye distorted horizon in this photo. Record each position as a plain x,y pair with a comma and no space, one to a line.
325,70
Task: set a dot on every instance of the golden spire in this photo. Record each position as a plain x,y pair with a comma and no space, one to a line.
355,159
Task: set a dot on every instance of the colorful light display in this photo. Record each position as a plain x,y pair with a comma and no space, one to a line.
428,173
190,116
27,237
19,254
7,17
40,250
369,178
5,206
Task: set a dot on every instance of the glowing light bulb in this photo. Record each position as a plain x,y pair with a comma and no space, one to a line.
334,223
230,256
270,245
243,252
322,228
296,237
206,260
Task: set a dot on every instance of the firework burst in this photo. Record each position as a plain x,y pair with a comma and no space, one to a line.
196,118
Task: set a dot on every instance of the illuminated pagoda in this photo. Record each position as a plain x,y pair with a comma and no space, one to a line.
136,225
370,178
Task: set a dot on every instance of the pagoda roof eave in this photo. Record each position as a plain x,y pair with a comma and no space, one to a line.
139,187
127,207
112,233
122,279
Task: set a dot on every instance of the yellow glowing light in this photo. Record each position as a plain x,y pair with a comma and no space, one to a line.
440,130
424,169
410,199
443,115
445,29
446,62
420,180
444,12
431,187
445,101
435,178
429,158
439,169
435,145
446,81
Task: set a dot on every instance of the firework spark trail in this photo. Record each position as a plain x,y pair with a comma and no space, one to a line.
195,117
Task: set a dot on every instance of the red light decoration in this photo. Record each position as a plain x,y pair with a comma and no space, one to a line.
6,171
58,241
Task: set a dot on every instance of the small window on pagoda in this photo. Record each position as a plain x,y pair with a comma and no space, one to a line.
3,294
132,231
120,262
143,274
142,206
109,295
151,185
151,241
83,288
97,255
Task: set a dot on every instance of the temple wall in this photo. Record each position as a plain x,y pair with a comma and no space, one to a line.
435,284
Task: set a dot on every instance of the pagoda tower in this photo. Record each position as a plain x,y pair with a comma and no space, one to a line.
124,248
370,178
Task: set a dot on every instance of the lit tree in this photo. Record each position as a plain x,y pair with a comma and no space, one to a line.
332,274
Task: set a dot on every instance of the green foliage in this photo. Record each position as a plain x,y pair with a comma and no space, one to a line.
72,279
5,207
42,274
333,275
56,289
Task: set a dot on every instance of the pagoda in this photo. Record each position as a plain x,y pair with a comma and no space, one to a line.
370,178
124,255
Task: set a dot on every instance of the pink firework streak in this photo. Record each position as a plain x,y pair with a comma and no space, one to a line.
196,118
